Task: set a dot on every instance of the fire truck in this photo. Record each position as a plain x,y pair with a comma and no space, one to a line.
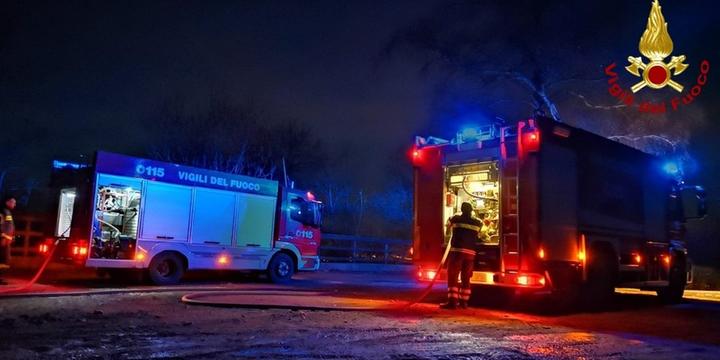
566,212
123,212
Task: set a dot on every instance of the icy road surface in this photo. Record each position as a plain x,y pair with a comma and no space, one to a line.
144,325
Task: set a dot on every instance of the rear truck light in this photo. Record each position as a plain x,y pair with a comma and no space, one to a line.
530,280
79,249
541,253
44,248
426,275
517,280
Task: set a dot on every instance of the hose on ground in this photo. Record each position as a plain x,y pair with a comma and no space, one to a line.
37,274
427,290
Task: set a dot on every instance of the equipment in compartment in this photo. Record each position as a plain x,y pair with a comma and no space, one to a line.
116,219
477,184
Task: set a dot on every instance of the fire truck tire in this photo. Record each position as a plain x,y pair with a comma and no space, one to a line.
673,293
166,268
601,276
281,268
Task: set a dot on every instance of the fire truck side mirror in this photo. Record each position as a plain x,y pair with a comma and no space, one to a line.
693,202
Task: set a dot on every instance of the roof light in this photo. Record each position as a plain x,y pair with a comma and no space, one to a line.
671,168
416,155
310,196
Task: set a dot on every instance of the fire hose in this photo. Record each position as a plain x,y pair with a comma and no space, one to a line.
429,288
37,274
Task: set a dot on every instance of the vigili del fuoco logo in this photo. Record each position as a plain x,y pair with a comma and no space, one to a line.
654,72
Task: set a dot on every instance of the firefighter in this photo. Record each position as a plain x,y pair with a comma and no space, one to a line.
465,232
7,233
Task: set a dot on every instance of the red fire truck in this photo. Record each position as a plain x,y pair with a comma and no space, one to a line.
131,213
565,211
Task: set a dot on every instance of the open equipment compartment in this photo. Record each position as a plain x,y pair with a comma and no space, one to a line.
115,220
478,184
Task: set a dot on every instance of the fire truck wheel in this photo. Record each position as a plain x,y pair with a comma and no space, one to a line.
166,268
281,268
673,293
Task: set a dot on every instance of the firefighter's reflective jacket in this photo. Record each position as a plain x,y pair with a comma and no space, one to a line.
465,230
7,225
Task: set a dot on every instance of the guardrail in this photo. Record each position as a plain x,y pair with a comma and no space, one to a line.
350,248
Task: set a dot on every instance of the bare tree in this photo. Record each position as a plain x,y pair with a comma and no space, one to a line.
513,59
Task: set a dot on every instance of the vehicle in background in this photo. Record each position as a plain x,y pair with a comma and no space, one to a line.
131,213
566,212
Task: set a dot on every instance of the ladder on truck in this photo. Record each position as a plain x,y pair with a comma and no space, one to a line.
510,205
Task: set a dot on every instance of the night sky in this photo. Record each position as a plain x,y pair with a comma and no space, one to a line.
76,76
76,68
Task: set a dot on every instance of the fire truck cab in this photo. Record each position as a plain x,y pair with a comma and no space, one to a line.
565,211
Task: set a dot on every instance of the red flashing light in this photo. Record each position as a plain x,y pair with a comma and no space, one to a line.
310,196
531,140
415,156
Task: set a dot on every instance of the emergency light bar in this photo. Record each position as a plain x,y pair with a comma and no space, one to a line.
472,134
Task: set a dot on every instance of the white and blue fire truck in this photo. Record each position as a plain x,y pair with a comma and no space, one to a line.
124,212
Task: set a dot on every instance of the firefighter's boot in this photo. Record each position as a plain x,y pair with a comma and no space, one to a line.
449,306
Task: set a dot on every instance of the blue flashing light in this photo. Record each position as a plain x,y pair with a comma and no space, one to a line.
671,168
67,165
470,133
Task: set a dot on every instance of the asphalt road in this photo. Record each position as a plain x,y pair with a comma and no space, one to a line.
86,318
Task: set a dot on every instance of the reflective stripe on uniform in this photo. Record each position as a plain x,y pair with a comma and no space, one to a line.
453,292
465,294
466,226
461,250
